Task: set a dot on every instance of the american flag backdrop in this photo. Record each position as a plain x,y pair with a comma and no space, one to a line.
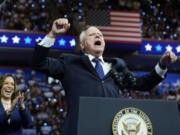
116,26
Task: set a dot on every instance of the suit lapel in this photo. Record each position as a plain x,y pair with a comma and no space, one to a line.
3,110
88,65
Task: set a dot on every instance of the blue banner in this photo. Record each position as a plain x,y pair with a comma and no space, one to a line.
159,47
28,40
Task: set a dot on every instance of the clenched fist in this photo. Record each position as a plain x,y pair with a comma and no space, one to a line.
59,26
167,58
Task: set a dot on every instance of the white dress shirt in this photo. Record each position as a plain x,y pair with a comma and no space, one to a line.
105,65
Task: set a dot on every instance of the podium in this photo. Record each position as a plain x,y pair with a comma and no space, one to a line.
96,115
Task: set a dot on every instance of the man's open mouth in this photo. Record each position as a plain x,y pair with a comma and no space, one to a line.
98,43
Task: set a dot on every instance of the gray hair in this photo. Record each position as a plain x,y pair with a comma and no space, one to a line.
82,35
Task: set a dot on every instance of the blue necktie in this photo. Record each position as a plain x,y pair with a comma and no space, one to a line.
98,67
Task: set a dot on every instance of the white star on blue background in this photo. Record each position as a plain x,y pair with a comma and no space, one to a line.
27,40
62,42
4,39
169,48
16,39
178,49
148,47
38,39
72,42
159,48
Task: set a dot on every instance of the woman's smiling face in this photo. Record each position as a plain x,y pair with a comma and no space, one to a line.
7,89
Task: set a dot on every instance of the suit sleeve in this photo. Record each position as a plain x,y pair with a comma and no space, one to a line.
144,82
50,66
127,79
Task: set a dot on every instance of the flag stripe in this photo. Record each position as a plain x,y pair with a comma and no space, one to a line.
136,20
122,34
125,21
123,16
120,13
119,29
122,39
125,24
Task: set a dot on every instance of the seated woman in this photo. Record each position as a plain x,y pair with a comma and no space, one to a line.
14,115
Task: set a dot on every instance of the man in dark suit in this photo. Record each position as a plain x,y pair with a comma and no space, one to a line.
90,74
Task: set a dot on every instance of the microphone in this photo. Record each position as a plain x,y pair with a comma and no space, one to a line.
130,79
124,79
119,78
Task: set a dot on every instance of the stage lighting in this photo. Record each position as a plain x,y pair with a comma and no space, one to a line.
43,6
14,6
60,1
80,10
65,15
32,5
80,17
80,3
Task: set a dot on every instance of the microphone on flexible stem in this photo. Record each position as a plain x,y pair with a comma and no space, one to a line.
124,79
130,79
118,79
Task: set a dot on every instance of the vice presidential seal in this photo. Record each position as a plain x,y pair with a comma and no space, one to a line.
131,121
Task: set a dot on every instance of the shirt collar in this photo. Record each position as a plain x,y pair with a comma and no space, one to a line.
91,57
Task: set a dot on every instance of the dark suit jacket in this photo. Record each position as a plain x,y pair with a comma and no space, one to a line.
79,78
19,119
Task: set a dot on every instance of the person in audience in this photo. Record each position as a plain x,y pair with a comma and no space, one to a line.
91,74
14,114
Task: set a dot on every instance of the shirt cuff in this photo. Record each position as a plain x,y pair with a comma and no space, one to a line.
160,72
47,42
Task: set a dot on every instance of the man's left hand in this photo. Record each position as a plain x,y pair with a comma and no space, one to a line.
167,58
